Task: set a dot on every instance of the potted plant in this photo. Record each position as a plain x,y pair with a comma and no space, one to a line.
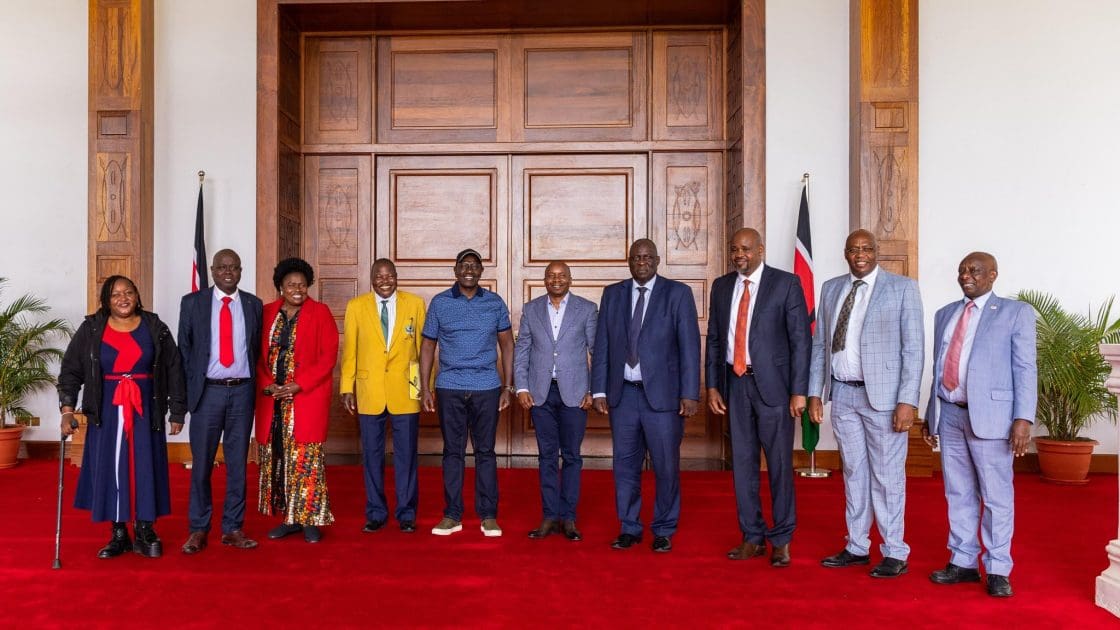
1071,390
26,355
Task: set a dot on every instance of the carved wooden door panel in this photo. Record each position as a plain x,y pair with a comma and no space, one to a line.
429,208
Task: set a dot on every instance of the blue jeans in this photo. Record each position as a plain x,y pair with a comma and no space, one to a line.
474,412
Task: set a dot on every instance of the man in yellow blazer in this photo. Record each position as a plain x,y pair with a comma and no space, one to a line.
379,383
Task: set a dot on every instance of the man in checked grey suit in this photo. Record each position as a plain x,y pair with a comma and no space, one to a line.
867,359
550,372
981,406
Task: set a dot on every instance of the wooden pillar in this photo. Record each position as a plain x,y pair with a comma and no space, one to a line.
746,116
121,106
1108,582
884,128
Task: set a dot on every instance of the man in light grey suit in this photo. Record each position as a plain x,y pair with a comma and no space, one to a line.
981,406
867,359
550,372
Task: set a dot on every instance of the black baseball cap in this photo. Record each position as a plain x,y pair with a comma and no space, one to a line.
467,252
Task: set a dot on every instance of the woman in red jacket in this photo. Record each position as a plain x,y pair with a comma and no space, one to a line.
299,347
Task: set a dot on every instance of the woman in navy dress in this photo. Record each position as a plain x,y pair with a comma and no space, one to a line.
126,361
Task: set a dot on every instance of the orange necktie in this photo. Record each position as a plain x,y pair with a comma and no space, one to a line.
740,365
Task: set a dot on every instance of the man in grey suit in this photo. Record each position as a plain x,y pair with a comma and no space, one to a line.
550,372
867,359
981,406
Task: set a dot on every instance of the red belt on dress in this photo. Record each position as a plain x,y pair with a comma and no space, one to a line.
128,396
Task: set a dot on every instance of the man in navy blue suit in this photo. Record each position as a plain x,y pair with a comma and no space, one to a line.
758,371
645,373
219,340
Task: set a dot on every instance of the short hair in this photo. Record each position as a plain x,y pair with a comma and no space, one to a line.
383,261
292,265
107,293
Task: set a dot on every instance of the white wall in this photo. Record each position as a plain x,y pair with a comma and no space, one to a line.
43,124
1017,113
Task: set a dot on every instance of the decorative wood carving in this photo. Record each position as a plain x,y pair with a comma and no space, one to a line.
687,190
338,90
443,89
572,87
884,131
120,152
687,86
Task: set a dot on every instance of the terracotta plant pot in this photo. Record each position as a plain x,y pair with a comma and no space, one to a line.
9,445
1065,463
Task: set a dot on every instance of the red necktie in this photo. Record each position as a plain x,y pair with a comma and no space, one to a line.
225,334
950,375
740,365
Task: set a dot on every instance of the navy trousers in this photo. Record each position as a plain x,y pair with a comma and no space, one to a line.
635,427
225,415
405,430
559,429
463,412
757,426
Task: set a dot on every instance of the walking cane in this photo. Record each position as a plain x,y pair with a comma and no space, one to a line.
58,520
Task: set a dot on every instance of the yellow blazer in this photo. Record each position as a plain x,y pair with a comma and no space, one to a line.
381,375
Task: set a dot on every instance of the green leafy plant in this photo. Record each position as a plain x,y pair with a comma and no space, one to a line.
1071,370
26,352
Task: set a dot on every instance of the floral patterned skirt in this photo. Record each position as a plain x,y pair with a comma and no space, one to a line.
302,495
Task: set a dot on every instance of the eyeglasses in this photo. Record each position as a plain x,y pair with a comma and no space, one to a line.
852,251
226,267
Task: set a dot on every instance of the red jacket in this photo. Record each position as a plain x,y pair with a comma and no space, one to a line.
315,355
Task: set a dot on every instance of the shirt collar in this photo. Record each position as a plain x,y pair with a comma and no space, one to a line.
218,295
649,285
869,279
754,277
980,301
392,299
456,293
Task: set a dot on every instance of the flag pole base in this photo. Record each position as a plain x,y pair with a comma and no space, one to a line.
814,473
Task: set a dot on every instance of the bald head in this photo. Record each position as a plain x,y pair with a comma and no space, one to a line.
861,250
977,273
643,260
746,250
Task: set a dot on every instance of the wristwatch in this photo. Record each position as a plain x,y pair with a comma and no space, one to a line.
511,389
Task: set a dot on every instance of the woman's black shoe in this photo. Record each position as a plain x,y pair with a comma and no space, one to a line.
147,543
118,544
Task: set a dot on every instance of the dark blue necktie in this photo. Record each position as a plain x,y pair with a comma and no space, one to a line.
635,328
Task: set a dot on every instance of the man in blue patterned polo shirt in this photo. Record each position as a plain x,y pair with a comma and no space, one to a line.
469,323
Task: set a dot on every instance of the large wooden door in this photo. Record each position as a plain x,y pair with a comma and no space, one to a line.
528,147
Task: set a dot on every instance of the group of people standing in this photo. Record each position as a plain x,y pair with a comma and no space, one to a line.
636,358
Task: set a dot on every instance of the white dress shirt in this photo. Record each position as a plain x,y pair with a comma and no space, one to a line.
635,373
736,297
960,394
847,365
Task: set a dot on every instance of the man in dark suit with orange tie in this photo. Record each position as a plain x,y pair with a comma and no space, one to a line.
645,373
758,371
219,341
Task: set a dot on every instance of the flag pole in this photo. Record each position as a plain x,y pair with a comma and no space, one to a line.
812,471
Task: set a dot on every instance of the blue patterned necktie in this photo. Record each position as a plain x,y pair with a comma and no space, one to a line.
635,328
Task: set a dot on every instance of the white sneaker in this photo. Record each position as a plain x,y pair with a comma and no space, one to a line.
490,528
446,527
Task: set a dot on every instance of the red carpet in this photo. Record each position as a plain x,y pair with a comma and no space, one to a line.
393,579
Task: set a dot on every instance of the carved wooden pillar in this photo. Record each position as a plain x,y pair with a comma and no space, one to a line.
884,128
1108,582
121,104
746,116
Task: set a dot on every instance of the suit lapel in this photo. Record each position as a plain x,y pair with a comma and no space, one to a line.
374,315
398,324
765,289
544,316
992,308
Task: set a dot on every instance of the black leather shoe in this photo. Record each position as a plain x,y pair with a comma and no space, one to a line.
312,534
372,526
547,527
889,568
952,574
118,543
845,559
999,586
283,530
570,531
662,544
408,527
625,541
147,543
779,556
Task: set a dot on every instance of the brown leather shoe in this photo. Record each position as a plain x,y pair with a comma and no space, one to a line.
196,542
547,527
746,551
779,556
238,539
